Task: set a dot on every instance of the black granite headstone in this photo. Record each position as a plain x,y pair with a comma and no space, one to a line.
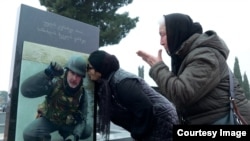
43,37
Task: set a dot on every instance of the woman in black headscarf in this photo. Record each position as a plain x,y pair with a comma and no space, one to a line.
198,83
128,101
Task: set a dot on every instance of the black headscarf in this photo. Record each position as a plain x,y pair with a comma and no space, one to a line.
179,27
103,62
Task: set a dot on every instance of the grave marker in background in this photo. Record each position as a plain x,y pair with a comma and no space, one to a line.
43,37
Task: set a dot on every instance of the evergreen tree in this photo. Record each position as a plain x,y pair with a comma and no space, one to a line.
243,83
246,86
101,13
237,72
3,97
141,71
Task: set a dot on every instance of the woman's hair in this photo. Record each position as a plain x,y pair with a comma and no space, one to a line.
103,62
161,20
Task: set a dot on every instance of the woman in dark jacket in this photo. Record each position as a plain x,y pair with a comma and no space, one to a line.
198,83
128,101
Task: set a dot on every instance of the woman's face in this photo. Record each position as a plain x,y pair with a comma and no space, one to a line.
163,36
93,74
73,79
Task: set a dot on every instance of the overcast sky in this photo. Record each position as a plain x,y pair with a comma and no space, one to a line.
229,18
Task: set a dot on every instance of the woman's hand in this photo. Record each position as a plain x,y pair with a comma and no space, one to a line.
150,59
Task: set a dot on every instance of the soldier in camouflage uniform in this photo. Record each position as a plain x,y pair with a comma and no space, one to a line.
65,106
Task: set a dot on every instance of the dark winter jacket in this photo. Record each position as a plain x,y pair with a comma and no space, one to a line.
200,90
138,108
